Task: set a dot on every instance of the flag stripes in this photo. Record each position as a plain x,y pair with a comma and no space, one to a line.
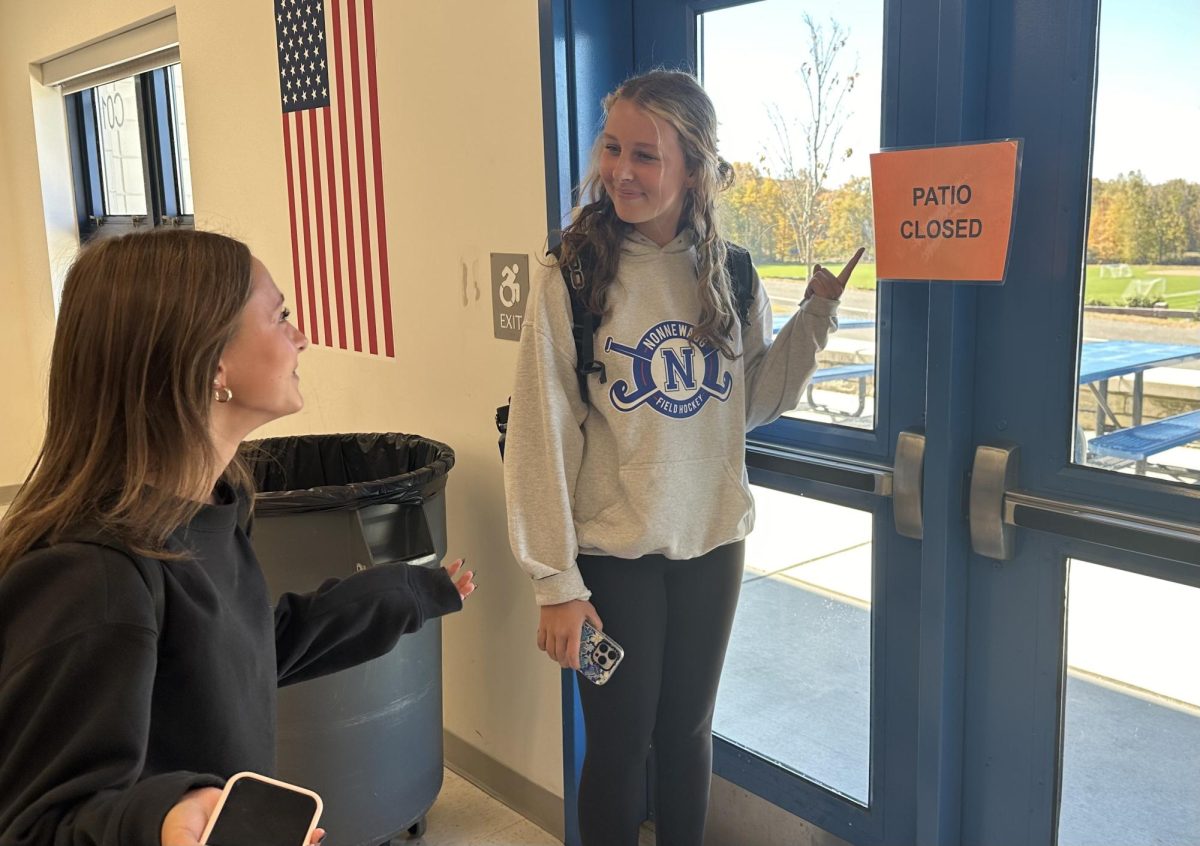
332,148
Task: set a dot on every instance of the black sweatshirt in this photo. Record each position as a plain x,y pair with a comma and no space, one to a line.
105,722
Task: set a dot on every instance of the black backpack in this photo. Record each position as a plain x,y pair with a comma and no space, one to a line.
584,323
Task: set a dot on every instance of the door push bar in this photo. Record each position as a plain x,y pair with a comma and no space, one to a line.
903,483
997,508
857,476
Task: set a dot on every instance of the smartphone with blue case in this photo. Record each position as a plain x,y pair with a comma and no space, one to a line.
599,654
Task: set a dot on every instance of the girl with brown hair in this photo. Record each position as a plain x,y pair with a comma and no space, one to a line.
139,655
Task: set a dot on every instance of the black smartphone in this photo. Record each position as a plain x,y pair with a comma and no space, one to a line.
255,810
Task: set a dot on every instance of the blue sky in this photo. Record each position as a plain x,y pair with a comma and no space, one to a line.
1148,96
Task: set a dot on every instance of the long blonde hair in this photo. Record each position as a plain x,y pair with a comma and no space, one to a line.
596,234
143,322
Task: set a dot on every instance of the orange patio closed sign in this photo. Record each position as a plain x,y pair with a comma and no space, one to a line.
945,213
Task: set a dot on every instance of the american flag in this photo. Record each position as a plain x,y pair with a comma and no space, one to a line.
330,102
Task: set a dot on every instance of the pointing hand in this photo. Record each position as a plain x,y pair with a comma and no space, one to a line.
824,284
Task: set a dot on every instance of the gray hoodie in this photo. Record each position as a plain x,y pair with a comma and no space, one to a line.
655,463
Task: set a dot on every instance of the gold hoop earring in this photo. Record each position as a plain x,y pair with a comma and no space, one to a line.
222,394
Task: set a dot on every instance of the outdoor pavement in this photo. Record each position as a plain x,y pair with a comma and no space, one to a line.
797,677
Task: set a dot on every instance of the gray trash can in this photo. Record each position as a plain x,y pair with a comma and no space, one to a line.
368,739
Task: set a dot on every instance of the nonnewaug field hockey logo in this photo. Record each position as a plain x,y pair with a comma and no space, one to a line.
671,373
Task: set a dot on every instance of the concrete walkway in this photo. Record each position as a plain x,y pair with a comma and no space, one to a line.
797,680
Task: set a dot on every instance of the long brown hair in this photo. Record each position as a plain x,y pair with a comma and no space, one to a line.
143,322
596,234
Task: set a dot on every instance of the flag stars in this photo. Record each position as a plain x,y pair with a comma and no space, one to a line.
304,82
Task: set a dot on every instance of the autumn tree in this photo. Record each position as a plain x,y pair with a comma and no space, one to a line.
751,212
1134,222
850,220
1135,217
806,144
1193,217
1169,207
1102,225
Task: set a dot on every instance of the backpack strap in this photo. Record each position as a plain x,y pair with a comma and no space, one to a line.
583,324
741,277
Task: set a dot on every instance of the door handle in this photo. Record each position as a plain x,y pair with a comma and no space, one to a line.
908,484
998,508
994,475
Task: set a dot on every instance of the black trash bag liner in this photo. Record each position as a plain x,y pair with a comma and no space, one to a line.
307,473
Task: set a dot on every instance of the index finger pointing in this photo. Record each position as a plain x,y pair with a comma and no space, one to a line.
844,276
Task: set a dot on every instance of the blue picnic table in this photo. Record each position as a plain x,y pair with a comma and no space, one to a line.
777,321
846,372
1100,361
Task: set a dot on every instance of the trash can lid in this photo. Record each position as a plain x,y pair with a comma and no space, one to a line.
345,472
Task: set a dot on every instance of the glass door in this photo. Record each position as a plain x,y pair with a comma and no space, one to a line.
818,708
1080,693
977,559
812,712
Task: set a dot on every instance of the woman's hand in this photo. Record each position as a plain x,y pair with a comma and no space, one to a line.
823,283
185,823
560,627
465,583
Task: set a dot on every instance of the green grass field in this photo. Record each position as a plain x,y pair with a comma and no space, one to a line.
863,277
1179,288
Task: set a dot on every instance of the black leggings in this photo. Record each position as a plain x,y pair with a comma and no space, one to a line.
673,619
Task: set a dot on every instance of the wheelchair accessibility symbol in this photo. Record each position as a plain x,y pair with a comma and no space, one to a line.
510,274
510,288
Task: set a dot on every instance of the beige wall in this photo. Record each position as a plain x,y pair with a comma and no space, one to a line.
25,328
462,160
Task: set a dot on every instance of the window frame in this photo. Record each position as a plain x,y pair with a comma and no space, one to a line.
160,153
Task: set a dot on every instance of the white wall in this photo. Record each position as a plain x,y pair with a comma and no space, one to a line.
463,175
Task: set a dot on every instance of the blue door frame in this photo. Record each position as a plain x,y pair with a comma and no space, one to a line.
588,48
967,652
